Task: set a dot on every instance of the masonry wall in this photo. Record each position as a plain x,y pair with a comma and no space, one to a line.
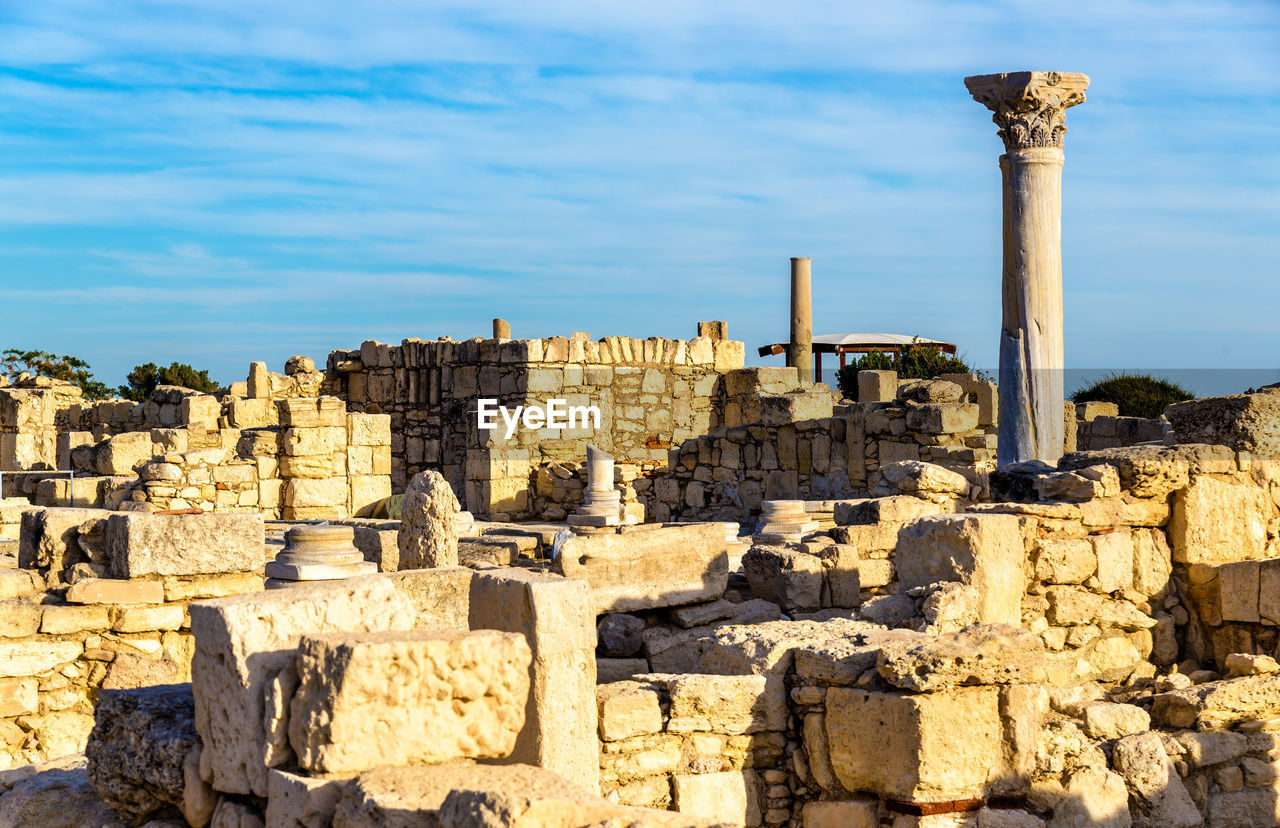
652,394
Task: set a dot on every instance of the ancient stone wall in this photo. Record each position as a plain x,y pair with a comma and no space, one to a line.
800,446
651,394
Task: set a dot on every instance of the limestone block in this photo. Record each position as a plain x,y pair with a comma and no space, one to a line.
1114,553
115,591
1104,720
252,413
848,813
367,492
121,454
1064,561
943,418
896,509
790,579
555,617
57,795
57,620
302,493
139,744
877,386
1158,797
1094,798
1152,562
982,654
31,658
611,670
729,705
258,385
658,566
1218,704
1249,808
48,539
135,619
18,697
1242,422
428,534
728,796
312,412
243,645
904,746
313,441
1217,522
200,411
627,709
18,619
312,467
1239,590
394,698
983,551
142,544
909,477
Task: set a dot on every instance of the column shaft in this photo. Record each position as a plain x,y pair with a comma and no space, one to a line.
801,350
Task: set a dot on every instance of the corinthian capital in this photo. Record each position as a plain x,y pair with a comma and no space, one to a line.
1029,107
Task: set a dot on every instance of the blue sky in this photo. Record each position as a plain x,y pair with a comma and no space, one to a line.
217,182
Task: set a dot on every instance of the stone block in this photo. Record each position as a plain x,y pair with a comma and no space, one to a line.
982,654
367,492
1158,798
396,698
555,617
1238,591
115,591
147,618
1219,704
877,386
330,493
984,551
1064,561
312,442
312,412
297,801
57,620
48,539
20,659
141,544
138,748
790,579
728,796
243,664
1114,553
943,418
847,813
904,746
19,619
1242,422
19,697
652,567
627,709
121,454
369,429
1217,522
729,705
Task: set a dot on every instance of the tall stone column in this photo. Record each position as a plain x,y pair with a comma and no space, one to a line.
1030,110
801,350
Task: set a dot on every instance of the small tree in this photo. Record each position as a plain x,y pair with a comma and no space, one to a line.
44,364
1136,395
917,360
143,379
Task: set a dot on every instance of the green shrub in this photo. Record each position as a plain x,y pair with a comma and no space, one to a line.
63,367
143,379
915,361
1137,395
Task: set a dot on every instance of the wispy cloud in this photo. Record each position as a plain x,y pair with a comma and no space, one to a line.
196,178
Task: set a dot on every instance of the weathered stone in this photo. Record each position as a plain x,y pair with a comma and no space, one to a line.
1104,720
903,745
790,579
984,551
57,797
627,709
245,642
115,591
428,533
1219,704
908,477
1217,522
723,704
452,695
141,544
311,412
984,654
1093,798
849,813
1158,799
728,796
619,635
654,567
1065,561
31,658
48,538
1202,750
139,744
297,801
1241,422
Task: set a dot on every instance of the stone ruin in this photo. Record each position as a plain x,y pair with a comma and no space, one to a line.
327,598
